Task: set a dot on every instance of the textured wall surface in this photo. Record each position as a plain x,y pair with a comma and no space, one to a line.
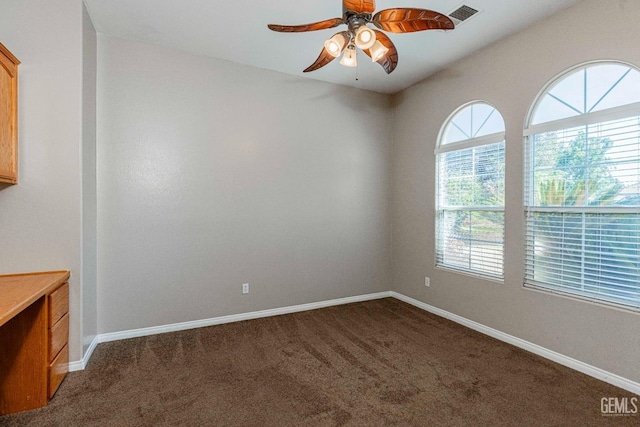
89,182
40,226
213,174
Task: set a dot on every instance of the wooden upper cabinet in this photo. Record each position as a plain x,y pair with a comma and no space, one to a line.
8,116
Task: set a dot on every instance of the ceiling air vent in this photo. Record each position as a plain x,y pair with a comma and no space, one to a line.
462,13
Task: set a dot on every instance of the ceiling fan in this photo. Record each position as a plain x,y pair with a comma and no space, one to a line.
356,14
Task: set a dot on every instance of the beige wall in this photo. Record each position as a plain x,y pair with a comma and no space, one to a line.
508,75
89,182
40,218
213,174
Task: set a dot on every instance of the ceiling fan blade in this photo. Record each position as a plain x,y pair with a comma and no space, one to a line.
359,6
324,57
409,20
390,61
322,25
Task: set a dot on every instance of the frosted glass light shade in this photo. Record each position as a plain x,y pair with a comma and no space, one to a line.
334,45
378,51
365,37
349,57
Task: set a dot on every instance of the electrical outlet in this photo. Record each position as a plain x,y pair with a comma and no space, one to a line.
245,288
427,282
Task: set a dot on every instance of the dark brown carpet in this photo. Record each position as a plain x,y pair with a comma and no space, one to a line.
375,363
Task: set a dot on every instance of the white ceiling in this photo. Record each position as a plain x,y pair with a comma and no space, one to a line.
236,30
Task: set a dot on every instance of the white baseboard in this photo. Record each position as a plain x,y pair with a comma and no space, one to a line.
134,333
569,362
579,366
80,365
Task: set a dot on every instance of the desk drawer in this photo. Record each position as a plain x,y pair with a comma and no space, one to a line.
58,304
58,336
57,370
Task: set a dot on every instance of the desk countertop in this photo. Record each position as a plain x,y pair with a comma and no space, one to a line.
18,291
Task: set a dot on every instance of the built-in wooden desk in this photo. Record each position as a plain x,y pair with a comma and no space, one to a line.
34,335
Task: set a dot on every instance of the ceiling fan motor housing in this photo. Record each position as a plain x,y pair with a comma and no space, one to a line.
356,20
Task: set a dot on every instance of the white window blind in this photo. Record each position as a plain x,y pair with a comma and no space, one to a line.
582,196
470,201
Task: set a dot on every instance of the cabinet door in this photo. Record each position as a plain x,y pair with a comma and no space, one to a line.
8,117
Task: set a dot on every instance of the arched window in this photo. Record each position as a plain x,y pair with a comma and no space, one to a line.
470,191
582,185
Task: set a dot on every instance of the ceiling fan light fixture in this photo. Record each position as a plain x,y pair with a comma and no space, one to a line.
365,37
349,57
378,51
334,45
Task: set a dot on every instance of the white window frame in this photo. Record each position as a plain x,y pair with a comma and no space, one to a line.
627,111
442,148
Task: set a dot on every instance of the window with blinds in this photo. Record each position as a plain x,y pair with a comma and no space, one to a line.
582,186
470,192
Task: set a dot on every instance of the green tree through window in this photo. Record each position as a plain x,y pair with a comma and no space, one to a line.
582,187
470,201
